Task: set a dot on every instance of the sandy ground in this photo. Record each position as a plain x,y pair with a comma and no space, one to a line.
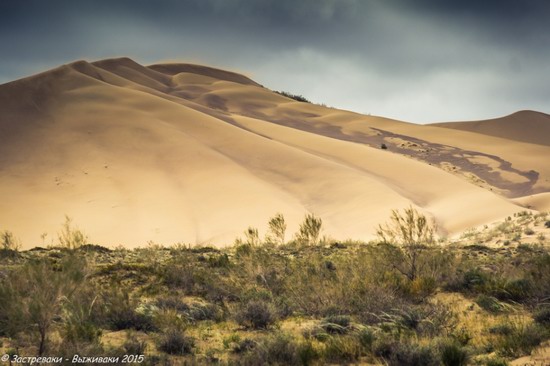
186,153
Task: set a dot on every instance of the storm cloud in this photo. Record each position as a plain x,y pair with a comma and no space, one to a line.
420,61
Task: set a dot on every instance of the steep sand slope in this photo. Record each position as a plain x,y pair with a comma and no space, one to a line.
526,126
504,165
184,153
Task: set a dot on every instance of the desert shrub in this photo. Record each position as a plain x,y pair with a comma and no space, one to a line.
184,272
404,353
81,319
425,319
542,316
366,337
538,270
238,345
520,339
174,341
310,229
342,349
257,314
489,303
201,311
8,242
277,230
280,349
547,224
411,233
453,354
71,237
474,279
496,361
36,294
133,346
171,302
219,261
252,236
120,312
501,329
528,231
296,97
94,248
336,324
516,290
245,345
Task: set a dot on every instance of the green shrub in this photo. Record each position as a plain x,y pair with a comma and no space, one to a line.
257,314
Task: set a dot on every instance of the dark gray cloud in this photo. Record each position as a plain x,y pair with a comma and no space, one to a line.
423,60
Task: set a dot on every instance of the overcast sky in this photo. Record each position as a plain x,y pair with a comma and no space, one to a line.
413,60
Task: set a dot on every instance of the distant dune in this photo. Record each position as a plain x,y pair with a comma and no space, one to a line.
526,126
187,153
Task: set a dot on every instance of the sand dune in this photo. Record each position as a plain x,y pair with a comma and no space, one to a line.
526,126
187,153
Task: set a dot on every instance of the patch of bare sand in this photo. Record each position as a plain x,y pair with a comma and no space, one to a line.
539,202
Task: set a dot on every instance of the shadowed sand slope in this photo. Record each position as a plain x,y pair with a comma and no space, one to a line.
186,153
